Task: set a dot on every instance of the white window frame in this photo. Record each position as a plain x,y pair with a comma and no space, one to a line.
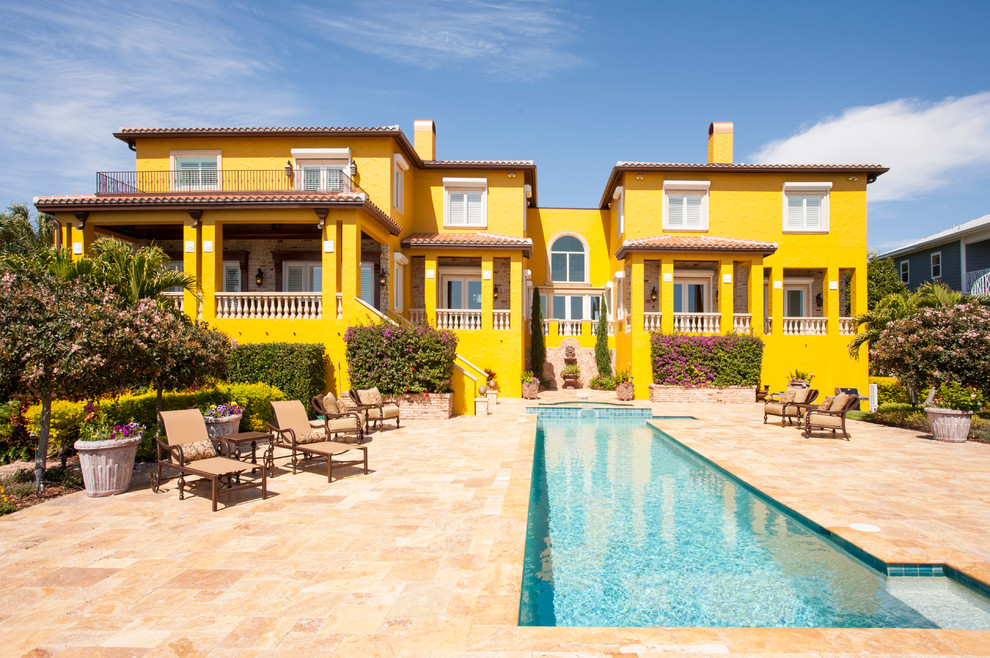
465,185
905,271
804,285
307,267
807,189
173,164
939,265
587,258
620,210
323,159
399,168
706,280
398,281
232,265
587,302
686,187
464,275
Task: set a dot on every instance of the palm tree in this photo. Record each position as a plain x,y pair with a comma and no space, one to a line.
22,235
143,274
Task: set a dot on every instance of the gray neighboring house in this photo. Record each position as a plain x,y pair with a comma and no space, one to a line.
958,257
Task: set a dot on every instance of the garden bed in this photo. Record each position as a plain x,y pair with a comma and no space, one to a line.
911,417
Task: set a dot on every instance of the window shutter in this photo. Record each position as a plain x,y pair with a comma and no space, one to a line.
474,209
232,278
692,210
311,178
795,211
813,211
458,202
335,180
316,278
675,210
294,278
367,290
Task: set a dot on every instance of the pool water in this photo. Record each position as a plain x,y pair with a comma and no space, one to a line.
628,528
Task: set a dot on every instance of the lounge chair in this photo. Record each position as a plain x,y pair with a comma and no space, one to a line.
762,393
376,408
292,430
790,405
831,418
190,451
339,422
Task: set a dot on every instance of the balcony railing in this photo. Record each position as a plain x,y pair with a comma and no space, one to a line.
742,323
697,323
847,326
417,316
501,319
450,318
651,321
227,180
972,278
178,298
270,305
767,325
805,326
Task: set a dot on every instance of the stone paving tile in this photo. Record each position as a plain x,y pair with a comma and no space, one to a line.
423,557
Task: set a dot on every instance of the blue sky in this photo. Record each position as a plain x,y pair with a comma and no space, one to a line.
574,86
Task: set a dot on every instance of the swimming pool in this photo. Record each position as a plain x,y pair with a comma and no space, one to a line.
629,528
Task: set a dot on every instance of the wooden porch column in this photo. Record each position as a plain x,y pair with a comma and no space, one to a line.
430,275
725,294
755,302
191,264
667,294
487,285
831,295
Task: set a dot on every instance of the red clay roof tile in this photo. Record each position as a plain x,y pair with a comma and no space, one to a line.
668,242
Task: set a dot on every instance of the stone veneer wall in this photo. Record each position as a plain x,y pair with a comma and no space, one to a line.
502,277
260,257
817,287
740,288
418,406
585,361
651,278
418,274
716,394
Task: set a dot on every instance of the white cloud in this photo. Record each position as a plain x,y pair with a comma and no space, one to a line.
514,39
926,145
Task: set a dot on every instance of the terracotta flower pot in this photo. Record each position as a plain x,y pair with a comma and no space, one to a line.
530,390
107,466
224,426
625,391
949,425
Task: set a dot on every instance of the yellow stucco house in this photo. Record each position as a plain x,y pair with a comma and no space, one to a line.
297,233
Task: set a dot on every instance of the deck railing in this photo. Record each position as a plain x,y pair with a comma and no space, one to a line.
847,326
227,180
269,305
742,323
796,326
501,319
178,298
697,323
451,318
417,316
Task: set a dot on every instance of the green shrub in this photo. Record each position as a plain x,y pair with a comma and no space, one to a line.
255,399
602,383
15,442
298,370
890,390
899,414
67,418
400,359
730,360
603,355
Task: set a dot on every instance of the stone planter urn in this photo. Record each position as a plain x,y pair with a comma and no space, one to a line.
625,391
107,465
530,390
224,426
949,425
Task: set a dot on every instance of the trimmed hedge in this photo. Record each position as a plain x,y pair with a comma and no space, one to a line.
730,360
296,369
67,417
890,390
15,442
400,359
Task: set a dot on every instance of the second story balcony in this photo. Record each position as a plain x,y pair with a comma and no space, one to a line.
326,181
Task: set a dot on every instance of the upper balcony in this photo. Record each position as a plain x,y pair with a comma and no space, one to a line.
330,182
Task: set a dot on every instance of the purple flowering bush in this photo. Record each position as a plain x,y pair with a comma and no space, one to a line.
400,359
223,410
97,426
681,360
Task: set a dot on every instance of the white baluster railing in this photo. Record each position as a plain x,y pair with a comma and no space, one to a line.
417,315
546,327
651,321
847,326
178,298
742,323
501,319
340,306
697,323
767,325
805,326
269,305
450,318
569,327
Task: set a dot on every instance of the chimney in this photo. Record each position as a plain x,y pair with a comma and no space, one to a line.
425,138
719,142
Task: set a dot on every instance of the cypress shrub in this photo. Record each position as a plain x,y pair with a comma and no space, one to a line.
400,359
602,354
298,370
538,347
730,360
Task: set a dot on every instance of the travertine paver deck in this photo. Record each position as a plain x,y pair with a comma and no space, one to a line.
424,556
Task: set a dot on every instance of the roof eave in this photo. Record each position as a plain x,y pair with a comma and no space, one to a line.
625,249
527,250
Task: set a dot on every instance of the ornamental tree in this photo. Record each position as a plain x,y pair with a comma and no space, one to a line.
537,346
68,339
882,280
937,345
603,356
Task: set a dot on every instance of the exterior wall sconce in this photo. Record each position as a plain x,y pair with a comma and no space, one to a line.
495,292
653,294
352,170
259,278
818,300
381,279
289,171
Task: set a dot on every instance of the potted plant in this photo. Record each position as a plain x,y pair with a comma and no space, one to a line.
801,377
492,388
624,389
571,374
223,419
951,411
106,454
602,383
530,386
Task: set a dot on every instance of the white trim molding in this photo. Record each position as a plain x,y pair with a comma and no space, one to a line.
821,189
466,185
692,187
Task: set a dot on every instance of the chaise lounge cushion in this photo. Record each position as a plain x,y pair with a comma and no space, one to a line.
826,421
370,396
388,410
801,395
839,402
312,437
198,450
346,424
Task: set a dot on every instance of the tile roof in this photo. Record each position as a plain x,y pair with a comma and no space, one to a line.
862,166
668,242
459,240
220,199
255,130
479,163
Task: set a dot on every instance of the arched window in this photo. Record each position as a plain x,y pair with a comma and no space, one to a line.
568,260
